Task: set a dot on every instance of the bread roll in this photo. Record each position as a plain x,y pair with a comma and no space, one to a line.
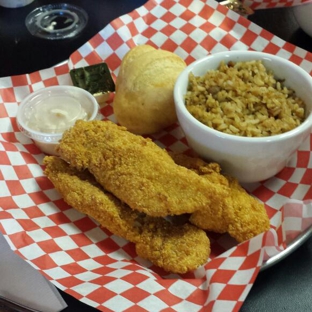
143,100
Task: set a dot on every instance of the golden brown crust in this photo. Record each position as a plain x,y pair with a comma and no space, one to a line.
80,190
249,217
136,170
215,217
174,248
239,214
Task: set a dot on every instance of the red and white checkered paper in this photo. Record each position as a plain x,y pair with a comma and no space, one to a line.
99,268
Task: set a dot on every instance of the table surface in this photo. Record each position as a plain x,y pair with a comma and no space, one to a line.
284,287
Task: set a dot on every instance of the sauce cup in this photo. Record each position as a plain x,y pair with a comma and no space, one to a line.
45,114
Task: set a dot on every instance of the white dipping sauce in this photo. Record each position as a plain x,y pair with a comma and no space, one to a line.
55,113
45,114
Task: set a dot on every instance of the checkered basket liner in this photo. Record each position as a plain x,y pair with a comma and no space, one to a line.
99,268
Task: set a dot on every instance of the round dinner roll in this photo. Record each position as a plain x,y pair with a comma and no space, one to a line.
143,100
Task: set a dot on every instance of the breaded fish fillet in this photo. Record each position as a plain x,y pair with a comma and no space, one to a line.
215,218
136,170
174,248
240,214
249,217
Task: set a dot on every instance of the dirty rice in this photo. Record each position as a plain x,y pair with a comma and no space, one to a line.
244,99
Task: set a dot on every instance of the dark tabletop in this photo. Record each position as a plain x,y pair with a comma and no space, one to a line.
286,286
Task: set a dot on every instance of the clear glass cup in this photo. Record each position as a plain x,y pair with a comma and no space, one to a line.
56,21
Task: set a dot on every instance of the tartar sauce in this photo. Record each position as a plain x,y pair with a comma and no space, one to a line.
55,113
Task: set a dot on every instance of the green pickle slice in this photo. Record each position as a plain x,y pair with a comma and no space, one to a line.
95,79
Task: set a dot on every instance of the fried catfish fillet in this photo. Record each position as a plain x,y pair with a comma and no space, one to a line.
240,214
136,170
215,218
176,249
249,217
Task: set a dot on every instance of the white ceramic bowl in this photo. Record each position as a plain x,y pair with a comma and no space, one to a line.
45,114
303,14
248,159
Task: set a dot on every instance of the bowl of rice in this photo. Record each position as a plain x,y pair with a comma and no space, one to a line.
249,111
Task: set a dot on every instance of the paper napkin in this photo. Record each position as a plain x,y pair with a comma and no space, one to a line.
21,283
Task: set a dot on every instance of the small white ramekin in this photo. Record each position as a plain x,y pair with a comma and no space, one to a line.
47,140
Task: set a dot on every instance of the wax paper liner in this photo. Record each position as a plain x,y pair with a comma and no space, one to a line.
99,268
